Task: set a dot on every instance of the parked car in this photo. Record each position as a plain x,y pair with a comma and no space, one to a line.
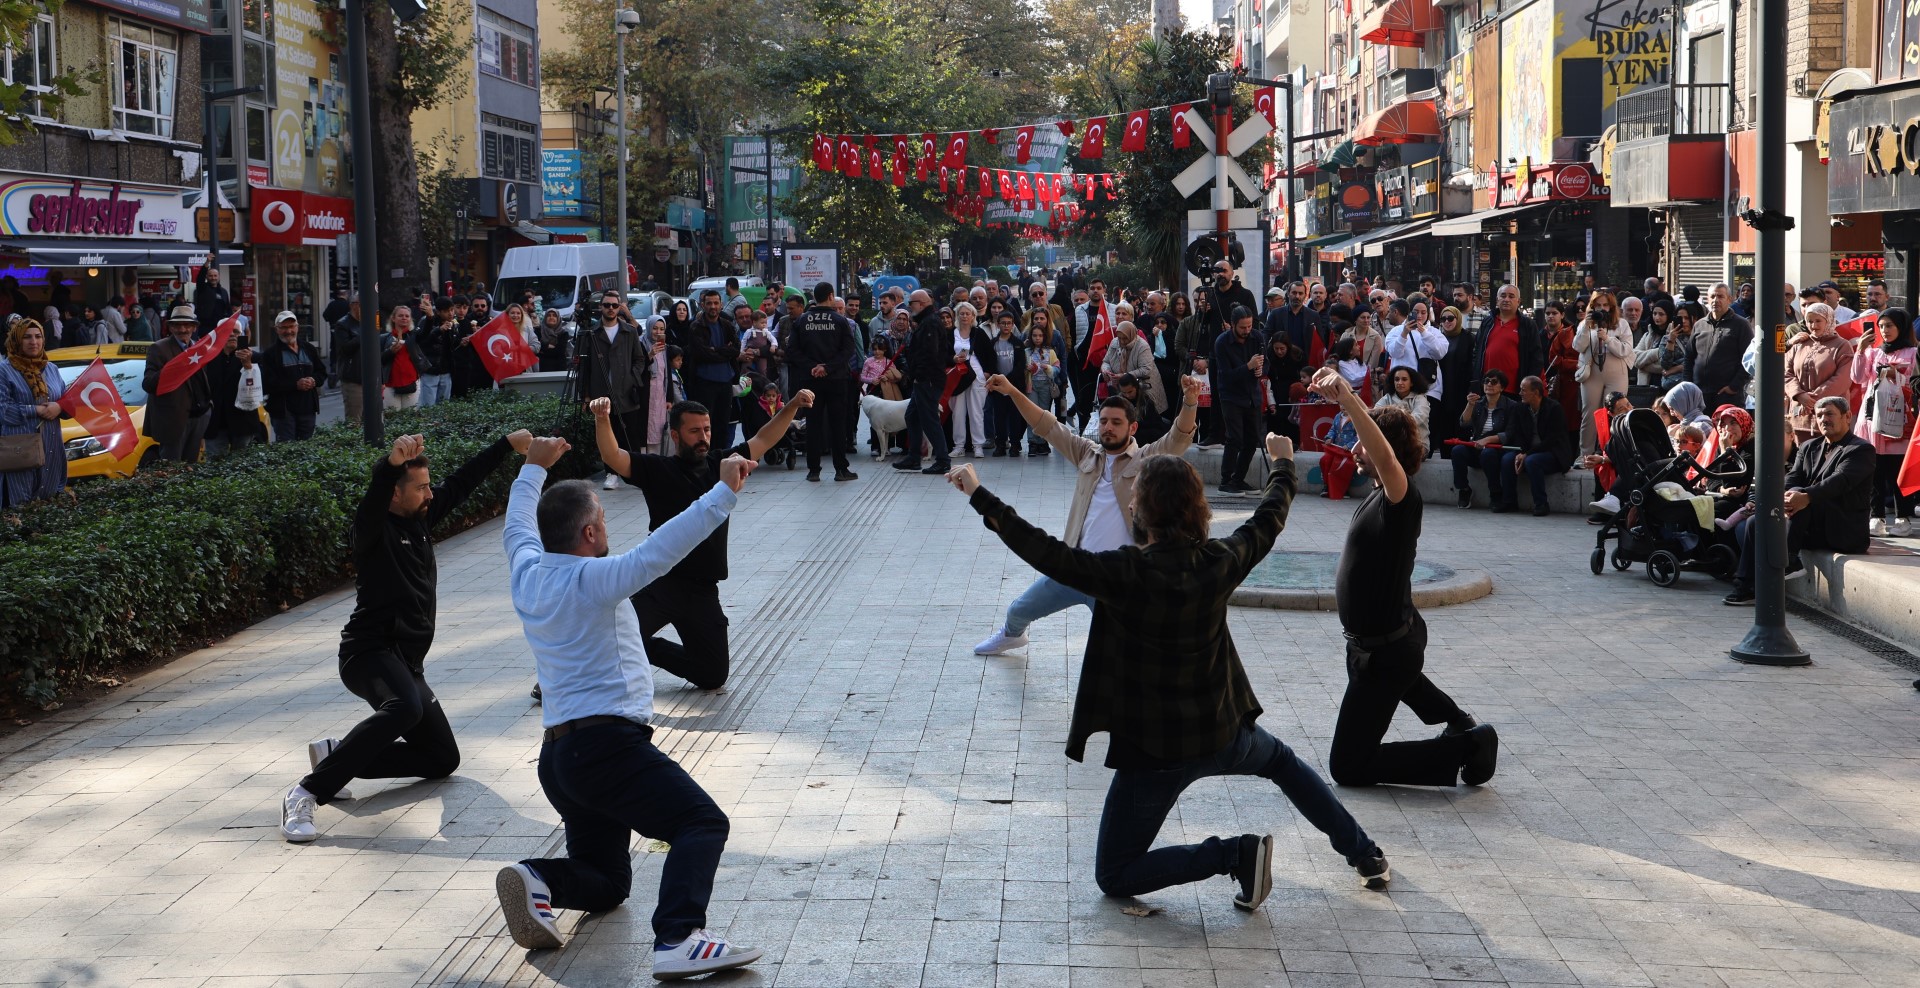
646,305
126,363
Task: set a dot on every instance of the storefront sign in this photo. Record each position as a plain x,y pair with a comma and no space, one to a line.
1573,180
283,216
1357,202
811,264
1394,205
1867,265
560,182
228,232
1423,188
45,207
191,15
1876,152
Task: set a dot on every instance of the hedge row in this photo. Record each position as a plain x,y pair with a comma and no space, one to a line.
141,568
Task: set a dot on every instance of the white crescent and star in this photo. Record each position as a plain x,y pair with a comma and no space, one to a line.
88,390
497,338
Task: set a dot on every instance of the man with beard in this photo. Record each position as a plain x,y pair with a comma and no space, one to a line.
688,598
383,649
929,354
1386,637
1101,517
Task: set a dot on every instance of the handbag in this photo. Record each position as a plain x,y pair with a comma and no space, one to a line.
25,452
1887,409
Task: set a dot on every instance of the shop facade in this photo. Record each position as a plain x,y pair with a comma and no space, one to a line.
1874,170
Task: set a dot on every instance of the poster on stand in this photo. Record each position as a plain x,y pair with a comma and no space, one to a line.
811,264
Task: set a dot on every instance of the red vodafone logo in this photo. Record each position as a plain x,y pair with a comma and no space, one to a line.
277,216
1573,182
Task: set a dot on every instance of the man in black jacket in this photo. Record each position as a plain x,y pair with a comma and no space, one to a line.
1226,291
231,428
1298,322
383,649
1719,341
929,354
1829,493
713,364
210,301
291,371
616,363
1235,371
1539,446
346,359
820,353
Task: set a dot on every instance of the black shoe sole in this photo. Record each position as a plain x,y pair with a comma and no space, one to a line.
1262,877
1377,881
1485,757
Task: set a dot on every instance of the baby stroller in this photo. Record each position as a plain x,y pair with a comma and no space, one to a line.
1667,535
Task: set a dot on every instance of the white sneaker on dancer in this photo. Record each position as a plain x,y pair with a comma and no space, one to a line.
702,953
1900,528
1000,643
528,906
296,816
318,751
613,482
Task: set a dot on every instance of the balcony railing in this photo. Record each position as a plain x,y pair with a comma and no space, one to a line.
1677,110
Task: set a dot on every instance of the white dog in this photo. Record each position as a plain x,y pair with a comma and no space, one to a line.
885,418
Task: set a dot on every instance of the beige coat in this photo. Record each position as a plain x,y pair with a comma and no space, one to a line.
1136,358
1086,457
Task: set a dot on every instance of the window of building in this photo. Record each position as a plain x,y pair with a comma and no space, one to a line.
506,49
33,64
509,149
145,71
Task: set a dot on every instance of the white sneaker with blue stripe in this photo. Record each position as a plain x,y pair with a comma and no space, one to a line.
701,953
528,906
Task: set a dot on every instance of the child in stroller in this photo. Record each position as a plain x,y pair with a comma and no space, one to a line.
766,403
1666,520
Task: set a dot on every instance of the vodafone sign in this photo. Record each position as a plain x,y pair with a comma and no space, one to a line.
287,217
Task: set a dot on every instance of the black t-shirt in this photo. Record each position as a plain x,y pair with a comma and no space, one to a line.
671,486
1374,587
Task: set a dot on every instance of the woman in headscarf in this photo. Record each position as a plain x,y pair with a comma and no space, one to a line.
1887,370
681,319
30,390
1732,431
553,341
1819,363
1688,405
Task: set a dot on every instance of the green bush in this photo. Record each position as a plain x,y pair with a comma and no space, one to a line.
999,273
140,568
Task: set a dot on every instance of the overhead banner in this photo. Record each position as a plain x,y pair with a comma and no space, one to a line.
36,206
1047,152
285,217
744,202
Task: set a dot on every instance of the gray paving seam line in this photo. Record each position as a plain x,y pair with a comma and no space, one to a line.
488,955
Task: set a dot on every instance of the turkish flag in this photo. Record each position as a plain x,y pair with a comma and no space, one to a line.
985,184
1006,186
93,401
849,157
1854,329
943,179
1023,145
502,349
1263,103
956,153
1135,138
1024,189
992,135
195,358
928,148
876,165
900,168
1183,134
959,181
822,152
1094,145
1066,128
1099,337
1909,477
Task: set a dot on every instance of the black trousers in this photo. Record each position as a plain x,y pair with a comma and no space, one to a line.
693,609
850,421
609,782
1817,526
1242,426
827,425
1085,395
1886,488
1378,682
407,737
924,425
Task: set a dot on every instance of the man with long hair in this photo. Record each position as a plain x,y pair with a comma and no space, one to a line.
1162,677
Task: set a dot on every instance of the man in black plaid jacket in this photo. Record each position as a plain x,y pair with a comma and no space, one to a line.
1162,677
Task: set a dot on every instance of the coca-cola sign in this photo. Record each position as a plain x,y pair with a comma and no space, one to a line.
36,206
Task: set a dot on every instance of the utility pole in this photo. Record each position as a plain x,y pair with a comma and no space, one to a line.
1769,642
624,22
365,220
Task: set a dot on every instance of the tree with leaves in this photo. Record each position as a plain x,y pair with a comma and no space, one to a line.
17,18
410,67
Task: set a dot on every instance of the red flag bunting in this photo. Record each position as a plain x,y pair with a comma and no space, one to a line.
1006,185
849,157
502,349
93,401
1066,128
956,152
1023,145
1094,145
1024,189
992,136
822,152
876,165
1135,138
1183,134
197,356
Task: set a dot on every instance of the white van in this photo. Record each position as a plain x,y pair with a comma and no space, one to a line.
560,275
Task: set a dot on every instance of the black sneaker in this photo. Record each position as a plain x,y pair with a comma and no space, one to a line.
1740,597
813,476
842,475
1480,760
1462,725
998,451
938,470
906,464
1465,498
1374,873
1255,870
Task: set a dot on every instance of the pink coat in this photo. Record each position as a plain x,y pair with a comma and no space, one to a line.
1868,365
1816,367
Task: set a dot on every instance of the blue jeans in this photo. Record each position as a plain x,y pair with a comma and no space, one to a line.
1045,597
435,388
1539,467
1500,488
608,782
1138,802
923,424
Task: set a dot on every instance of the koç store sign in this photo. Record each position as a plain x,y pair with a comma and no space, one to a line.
50,207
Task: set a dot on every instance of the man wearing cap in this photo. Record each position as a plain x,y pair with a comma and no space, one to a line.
177,420
1842,312
292,370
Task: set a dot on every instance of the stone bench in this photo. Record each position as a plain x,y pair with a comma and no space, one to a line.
1568,493
1879,589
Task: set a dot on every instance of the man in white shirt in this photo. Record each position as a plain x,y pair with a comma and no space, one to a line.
598,765
1101,517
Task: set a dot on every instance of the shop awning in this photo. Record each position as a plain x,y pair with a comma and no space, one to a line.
115,253
1403,23
1342,157
537,234
1341,251
1469,225
1377,242
1413,121
1300,170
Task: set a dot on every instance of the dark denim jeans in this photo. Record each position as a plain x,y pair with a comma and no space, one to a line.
1539,467
608,782
1502,487
1138,802
1378,682
923,424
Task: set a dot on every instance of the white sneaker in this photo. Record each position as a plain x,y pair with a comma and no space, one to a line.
702,953
319,750
296,816
528,906
613,482
1877,527
1000,643
1901,528
1608,504
955,453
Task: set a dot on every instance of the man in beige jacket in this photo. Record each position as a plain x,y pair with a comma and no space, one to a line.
1102,514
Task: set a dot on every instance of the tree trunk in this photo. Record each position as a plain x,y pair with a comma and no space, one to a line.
395,181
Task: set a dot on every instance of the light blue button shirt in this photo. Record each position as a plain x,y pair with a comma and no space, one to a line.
587,649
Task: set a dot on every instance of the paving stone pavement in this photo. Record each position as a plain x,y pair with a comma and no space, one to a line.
903,814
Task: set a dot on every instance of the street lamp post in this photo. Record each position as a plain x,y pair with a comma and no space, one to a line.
624,21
